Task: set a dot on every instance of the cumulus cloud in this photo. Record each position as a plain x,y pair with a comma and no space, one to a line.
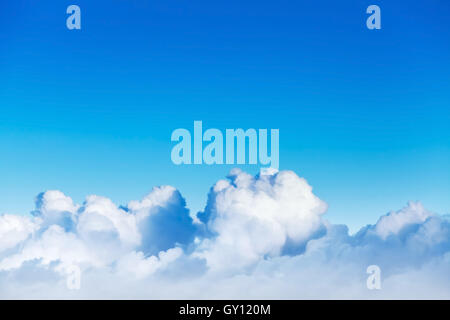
163,220
395,222
137,264
97,233
54,207
14,230
255,217
261,236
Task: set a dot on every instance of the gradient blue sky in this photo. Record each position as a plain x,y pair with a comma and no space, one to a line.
363,115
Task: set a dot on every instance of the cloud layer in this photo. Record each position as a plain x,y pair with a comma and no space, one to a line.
261,236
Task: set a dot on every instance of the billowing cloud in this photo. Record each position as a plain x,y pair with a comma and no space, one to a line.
14,230
261,236
163,220
250,218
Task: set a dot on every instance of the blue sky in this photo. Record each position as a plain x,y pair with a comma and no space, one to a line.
363,115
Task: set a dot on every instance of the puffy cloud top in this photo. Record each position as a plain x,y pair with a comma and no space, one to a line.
97,233
253,217
394,222
14,230
259,236
100,215
54,207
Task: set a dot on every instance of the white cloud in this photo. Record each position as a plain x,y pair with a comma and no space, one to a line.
100,215
394,222
261,237
15,229
162,220
253,217
136,264
54,207
53,245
